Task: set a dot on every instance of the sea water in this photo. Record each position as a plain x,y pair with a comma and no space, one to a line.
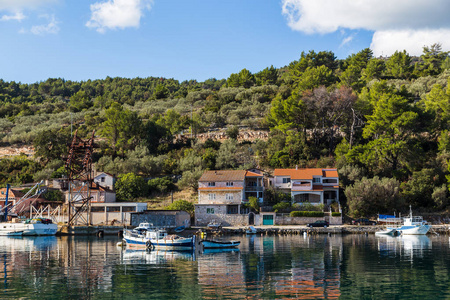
263,267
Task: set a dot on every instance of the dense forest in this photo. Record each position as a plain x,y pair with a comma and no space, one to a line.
382,122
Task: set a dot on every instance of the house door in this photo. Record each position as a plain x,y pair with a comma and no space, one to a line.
251,219
267,219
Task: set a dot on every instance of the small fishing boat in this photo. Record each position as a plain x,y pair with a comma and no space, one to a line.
36,226
251,230
180,229
210,244
145,236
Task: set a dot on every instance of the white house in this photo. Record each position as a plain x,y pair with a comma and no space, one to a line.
316,186
105,180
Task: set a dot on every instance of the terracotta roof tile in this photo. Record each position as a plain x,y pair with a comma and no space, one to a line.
252,174
223,175
220,188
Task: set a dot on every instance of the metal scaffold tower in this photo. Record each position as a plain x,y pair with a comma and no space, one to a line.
80,180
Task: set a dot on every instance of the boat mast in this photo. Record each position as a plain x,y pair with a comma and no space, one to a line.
6,203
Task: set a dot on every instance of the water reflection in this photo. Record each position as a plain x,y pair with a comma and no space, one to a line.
406,246
264,267
155,257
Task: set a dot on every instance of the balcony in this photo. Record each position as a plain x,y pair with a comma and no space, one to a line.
254,189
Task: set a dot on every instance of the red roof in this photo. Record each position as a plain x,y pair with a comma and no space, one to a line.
227,175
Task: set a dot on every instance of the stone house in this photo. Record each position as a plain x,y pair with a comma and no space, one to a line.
315,186
221,195
162,218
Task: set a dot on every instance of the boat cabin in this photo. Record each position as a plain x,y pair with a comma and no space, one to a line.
157,234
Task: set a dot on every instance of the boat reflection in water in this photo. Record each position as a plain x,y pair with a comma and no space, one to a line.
155,257
404,245
27,243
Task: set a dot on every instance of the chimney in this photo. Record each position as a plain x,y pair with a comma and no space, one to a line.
296,167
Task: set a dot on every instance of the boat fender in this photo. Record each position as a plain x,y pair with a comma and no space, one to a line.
100,233
148,244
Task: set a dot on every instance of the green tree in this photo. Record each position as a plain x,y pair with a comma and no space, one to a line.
253,203
130,187
369,196
374,69
161,91
182,205
51,144
399,65
432,60
267,76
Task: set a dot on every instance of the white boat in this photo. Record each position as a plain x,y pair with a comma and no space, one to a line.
145,236
11,233
210,244
388,231
414,225
36,226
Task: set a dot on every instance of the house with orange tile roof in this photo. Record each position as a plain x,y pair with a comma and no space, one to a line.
221,194
315,185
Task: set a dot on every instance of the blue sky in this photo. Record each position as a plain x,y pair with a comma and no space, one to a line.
201,39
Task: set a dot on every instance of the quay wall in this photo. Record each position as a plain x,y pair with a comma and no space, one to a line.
286,220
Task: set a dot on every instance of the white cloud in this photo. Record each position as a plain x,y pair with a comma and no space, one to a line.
18,16
398,24
386,42
50,28
115,14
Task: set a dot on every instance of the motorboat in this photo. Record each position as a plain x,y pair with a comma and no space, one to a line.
414,225
35,226
388,231
210,244
145,236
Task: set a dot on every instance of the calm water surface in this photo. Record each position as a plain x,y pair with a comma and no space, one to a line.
282,267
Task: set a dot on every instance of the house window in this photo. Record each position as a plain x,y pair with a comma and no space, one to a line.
102,179
316,179
286,180
229,197
210,210
211,184
229,183
232,209
212,196
302,198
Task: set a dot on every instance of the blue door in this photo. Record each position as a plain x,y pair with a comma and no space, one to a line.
267,219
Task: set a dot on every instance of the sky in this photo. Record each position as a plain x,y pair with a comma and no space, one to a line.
201,39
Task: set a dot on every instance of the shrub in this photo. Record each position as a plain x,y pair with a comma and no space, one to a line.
281,207
317,214
253,202
182,205
335,214
161,185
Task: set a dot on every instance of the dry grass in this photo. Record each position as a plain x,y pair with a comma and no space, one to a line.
163,201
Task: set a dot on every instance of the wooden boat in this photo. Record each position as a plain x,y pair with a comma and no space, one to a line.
210,244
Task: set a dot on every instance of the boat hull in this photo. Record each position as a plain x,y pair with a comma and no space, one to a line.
134,242
207,244
28,229
414,230
390,232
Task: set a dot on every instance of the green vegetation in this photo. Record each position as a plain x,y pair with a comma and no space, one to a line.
314,214
383,122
